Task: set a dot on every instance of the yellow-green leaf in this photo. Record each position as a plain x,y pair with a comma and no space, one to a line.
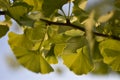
110,49
28,53
4,4
80,62
50,56
19,12
36,33
37,4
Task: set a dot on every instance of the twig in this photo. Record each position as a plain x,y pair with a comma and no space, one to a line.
80,28
2,12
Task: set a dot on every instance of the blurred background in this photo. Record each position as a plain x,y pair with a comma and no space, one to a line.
11,70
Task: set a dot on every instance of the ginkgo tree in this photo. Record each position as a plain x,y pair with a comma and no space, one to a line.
84,41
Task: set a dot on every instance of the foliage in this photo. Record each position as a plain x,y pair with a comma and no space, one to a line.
83,41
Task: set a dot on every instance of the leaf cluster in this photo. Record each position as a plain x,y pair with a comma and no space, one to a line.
80,39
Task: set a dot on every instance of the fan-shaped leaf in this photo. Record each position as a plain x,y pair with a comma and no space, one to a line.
81,62
49,6
19,12
4,4
29,52
50,56
110,49
37,4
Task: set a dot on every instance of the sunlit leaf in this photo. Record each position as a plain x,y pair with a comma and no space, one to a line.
110,49
37,32
50,56
3,30
29,53
60,42
74,33
37,4
59,48
81,62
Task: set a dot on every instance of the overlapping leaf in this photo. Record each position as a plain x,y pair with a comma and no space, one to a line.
3,30
110,49
73,44
37,4
38,32
29,51
19,13
50,6
96,55
81,61
80,14
4,4
50,56
101,68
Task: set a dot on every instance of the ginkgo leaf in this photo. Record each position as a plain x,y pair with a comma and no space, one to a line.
59,48
96,55
37,4
3,30
74,43
28,54
36,33
100,68
110,50
81,61
80,14
50,56
18,10
49,6
19,13
74,33
4,4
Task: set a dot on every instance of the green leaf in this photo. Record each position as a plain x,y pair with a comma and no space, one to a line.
36,33
96,55
60,41
50,6
50,56
19,12
29,53
74,33
74,43
59,48
100,68
26,21
4,4
3,30
110,49
80,14
37,4
81,61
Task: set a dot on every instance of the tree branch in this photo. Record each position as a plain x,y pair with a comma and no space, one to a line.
80,28
2,12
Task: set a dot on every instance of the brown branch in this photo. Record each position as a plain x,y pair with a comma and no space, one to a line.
80,28
2,12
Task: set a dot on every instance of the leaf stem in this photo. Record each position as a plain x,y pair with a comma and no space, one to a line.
69,10
81,28
64,13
